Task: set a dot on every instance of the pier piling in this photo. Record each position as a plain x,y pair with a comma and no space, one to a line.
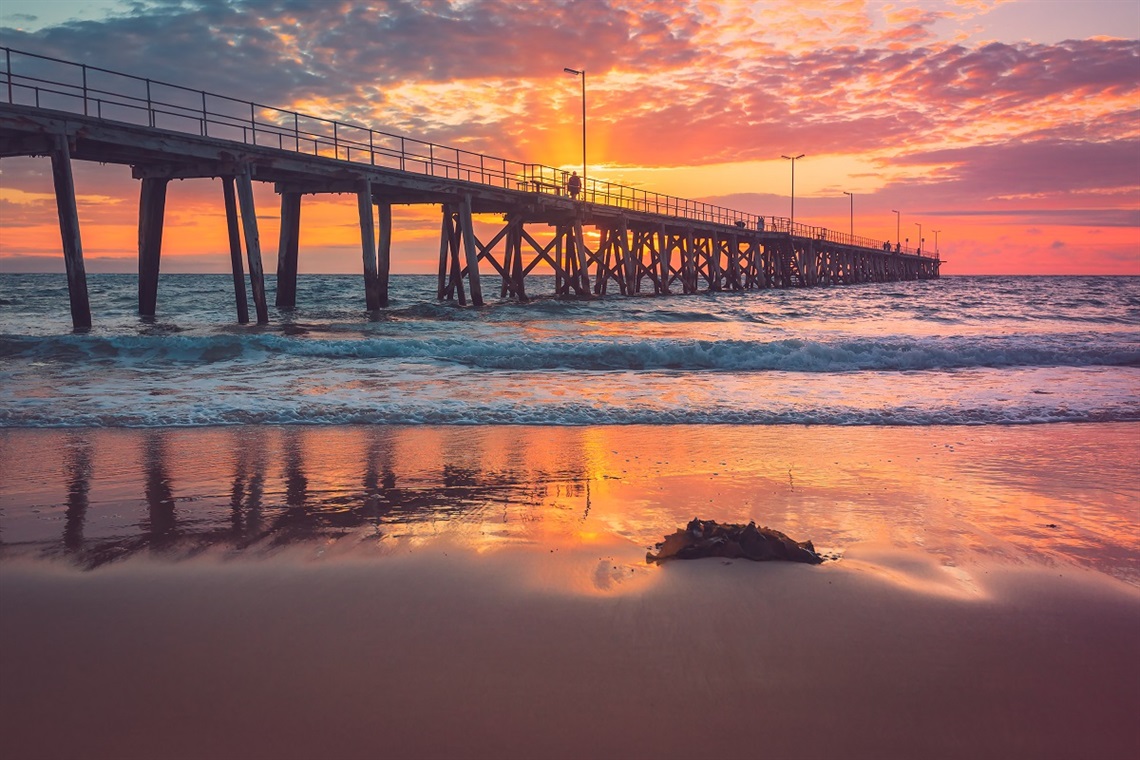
69,232
472,253
252,245
152,209
287,249
234,235
384,252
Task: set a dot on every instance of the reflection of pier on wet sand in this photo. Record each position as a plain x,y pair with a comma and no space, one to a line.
283,489
99,495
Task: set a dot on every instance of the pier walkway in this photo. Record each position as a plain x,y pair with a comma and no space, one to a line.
647,242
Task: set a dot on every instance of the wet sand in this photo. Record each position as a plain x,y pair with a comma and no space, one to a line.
489,596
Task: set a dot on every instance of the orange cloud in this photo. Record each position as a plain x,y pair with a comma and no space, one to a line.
880,97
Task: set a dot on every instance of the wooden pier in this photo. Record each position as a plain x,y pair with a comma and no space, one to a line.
648,242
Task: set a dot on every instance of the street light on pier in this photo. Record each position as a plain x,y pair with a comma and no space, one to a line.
936,243
793,160
898,229
852,197
582,73
919,225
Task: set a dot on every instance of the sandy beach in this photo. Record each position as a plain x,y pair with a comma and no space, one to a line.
490,596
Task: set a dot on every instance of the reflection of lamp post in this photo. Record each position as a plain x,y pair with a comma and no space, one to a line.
852,197
582,74
793,160
898,223
919,224
936,243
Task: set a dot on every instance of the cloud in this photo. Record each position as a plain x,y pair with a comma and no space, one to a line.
1043,168
1046,132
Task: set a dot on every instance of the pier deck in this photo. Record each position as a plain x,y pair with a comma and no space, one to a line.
648,242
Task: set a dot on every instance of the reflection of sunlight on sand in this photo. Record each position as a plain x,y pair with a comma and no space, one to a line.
911,570
581,572
1060,495
583,564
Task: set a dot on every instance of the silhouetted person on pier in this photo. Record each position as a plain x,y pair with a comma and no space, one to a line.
760,224
887,245
574,185
898,247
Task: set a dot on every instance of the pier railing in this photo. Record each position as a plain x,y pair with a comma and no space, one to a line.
53,83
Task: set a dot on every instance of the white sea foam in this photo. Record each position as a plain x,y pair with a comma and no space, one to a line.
791,355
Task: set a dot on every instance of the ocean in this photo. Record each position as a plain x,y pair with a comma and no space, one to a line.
966,417
953,351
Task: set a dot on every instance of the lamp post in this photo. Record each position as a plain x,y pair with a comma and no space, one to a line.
793,160
582,73
852,197
919,225
936,243
898,231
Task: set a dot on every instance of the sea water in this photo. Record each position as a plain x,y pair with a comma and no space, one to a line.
965,417
952,351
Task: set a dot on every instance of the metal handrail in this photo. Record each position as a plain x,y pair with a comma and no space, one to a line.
184,109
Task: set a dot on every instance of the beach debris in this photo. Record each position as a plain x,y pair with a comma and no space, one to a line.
708,538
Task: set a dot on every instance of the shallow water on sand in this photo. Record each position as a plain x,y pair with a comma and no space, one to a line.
1057,495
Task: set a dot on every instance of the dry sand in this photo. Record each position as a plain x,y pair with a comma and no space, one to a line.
962,629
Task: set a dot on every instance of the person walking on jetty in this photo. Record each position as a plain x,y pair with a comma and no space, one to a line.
574,185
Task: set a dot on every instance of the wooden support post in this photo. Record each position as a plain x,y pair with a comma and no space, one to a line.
68,214
441,290
384,251
287,247
368,244
714,262
583,287
235,249
689,262
152,205
455,280
627,258
602,270
252,245
517,273
663,251
558,257
471,252
507,289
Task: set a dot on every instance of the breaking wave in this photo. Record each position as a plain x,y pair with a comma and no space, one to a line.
789,355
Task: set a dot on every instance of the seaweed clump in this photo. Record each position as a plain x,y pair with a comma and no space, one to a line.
708,538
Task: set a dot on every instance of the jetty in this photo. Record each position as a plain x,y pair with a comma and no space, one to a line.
648,243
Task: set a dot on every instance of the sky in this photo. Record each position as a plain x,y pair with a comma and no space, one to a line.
1012,127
